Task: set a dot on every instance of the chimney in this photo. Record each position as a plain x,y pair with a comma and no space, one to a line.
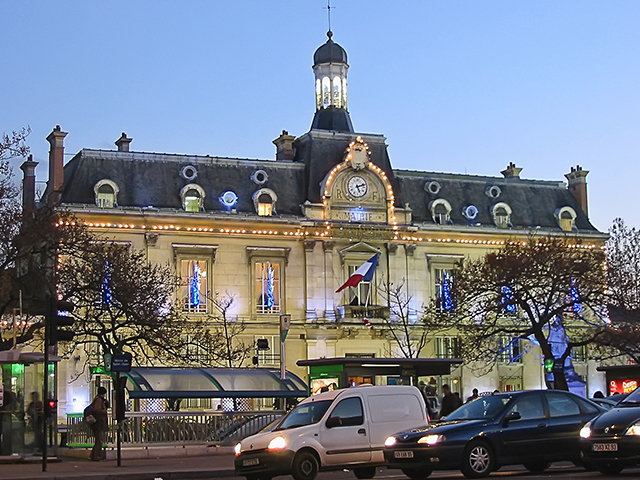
56,165
511,171
284,146
578,186
123,143
29,184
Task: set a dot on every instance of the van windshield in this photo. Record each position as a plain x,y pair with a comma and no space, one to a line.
305,414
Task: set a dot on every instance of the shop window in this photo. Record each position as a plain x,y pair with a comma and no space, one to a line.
194,286
267,285
106,194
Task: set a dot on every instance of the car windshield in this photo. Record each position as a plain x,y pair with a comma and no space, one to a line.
483,407
305,414
632,399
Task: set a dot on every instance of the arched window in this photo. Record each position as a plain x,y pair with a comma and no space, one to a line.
440,211
501,213
318,93
264,201
106,193
566,218
192,197
326,92
337,92
344,93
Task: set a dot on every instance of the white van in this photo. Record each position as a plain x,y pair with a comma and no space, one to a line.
333,430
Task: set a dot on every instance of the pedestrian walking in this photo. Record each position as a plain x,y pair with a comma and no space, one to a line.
449,401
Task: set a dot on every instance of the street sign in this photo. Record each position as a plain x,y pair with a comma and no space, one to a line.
121,363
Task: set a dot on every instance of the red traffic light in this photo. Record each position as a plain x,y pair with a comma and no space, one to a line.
52,404
50,408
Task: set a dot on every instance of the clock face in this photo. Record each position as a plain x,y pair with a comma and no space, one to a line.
357,186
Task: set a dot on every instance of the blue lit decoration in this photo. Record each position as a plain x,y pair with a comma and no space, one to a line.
507,300
106,288
447,299
229,199
575,296
270,300
194,286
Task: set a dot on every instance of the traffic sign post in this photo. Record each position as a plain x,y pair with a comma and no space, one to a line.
285,323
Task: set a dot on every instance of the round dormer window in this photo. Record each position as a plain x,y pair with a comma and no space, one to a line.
493,191
228,199
259,177
471,212
432,187
189,172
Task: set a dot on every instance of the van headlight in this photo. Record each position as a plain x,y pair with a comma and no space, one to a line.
237,449
585,431
390,441
633,429
277,443
431,439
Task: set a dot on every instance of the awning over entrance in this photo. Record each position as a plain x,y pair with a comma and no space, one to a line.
165,382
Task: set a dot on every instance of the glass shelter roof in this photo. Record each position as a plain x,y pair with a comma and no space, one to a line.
167,382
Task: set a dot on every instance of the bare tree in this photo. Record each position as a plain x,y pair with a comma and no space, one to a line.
13,144
547,291
403,327
226,345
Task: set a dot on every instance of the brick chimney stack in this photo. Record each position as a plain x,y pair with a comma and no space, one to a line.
511,171
29,184
123,143
56,165
578,186
284,146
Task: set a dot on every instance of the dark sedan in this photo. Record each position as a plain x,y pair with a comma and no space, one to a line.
532,428
611,441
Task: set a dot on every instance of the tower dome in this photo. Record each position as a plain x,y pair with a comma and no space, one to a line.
330,69
329,52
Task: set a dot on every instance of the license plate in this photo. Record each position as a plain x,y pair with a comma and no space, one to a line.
403,454
605,447
250,461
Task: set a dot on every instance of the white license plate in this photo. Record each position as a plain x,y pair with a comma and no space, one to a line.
250,461
403,454
605,447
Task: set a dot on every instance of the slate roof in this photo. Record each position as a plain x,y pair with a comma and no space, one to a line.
154,179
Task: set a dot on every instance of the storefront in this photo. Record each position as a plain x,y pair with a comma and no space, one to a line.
621,378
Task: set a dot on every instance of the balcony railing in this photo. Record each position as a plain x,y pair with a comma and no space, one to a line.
357,311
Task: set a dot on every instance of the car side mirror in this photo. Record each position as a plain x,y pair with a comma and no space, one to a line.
333,422
511,416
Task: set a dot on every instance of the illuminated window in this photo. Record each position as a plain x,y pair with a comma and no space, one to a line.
443,287
194,287
440,211
447,347
344,93
264,201
267,285
501,213
192,197
318,93
337,92
566,218
326,92
363,293
106,194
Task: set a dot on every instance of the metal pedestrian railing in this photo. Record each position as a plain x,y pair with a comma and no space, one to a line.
139,428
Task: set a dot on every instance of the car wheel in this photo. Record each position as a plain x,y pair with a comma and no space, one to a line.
609,468
417,473
364,472
305,466
478,460
536,467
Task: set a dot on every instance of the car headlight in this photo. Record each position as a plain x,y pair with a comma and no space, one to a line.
431,439
277,443
390,441
585,431
633,429
237,449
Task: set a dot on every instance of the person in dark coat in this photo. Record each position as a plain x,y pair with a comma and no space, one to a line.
99,428
35,411
449,401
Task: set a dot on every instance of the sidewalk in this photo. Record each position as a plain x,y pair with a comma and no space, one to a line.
215,464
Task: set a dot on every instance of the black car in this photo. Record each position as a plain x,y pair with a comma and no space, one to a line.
611,441
532,428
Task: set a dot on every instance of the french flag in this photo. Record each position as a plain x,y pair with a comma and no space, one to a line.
364,272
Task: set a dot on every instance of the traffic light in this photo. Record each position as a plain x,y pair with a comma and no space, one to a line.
50,408
58,319
548,365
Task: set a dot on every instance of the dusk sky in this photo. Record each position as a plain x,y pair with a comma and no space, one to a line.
455,86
